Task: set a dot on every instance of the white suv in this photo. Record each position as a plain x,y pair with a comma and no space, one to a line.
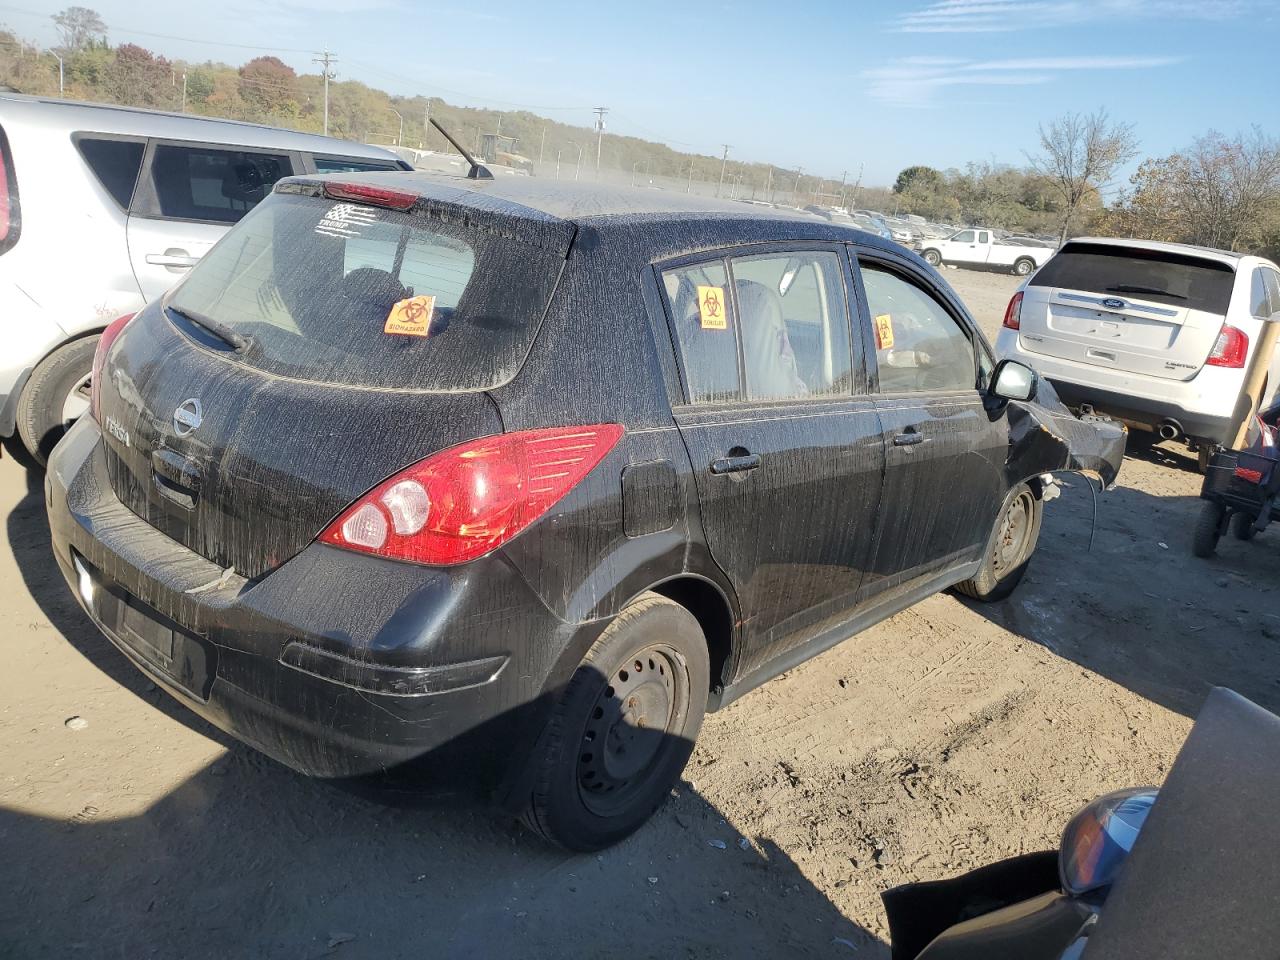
1160,335
101,210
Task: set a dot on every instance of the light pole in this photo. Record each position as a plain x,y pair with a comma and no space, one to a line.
60,73
426,123
400,135
724,160
795,193
577,170
558,152
633,170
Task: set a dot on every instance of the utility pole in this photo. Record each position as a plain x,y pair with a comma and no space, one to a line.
768,184
184,91
578,169
426,123
689,186
327,59
843,176
795,194
60,75
543,145
599,112
724,160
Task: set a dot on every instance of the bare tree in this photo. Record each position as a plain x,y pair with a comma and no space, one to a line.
1080,153
79,27
1227,187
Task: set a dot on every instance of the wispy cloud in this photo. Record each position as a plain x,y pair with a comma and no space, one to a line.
1000,16
916,81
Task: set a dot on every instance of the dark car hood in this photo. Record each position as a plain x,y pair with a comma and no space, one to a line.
1045,436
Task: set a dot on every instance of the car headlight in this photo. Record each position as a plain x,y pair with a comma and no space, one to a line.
1099,838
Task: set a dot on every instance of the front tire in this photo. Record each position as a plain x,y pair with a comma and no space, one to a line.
1009,549
1023,267
624,728
55,396
933,258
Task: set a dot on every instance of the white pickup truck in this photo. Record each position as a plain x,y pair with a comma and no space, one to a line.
981,248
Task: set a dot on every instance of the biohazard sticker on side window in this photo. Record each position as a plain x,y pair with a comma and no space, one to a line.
344,220
711,308
884,331
411,317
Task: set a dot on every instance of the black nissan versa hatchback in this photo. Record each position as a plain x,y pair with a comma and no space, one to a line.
525,477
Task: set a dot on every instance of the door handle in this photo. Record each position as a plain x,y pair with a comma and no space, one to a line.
908,438
173,259
735,464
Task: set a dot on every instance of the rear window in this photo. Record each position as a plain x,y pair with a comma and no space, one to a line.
1170,278
360,295
350,165
115,163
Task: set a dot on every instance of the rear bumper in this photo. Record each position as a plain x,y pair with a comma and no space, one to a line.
1205,405
335,664
1143,410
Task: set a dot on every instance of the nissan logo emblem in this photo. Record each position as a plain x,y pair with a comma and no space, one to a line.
187,417
1113,303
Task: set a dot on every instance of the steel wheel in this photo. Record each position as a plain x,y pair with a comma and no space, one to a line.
1012,534
630,727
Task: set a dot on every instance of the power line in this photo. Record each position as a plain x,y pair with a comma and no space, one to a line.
401,78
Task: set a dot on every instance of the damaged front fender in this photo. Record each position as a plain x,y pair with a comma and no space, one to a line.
1044,436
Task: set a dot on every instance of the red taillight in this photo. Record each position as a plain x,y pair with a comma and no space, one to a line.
377,196
1013,312
1231,348
460,503
107,338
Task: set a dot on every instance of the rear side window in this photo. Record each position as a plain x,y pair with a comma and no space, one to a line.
1174,279
794,325
1271,279
920,347
707,330
209,183
115,163
351,165
359,295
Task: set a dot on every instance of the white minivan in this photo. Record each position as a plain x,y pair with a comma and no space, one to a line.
102,209
1163,336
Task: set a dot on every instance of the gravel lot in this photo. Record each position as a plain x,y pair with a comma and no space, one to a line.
949,736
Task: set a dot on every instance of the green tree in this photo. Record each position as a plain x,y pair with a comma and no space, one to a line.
919,177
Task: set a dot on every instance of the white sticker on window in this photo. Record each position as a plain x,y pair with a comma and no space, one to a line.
344,220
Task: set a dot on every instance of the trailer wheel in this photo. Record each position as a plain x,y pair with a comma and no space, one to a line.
1242,526
1204,540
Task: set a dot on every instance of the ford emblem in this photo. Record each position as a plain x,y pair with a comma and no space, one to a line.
1113,303
187,417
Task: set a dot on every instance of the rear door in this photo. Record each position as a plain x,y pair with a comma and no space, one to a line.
944,451
1151,312
188,196
785,443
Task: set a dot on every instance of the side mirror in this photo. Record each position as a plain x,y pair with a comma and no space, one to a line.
1013,381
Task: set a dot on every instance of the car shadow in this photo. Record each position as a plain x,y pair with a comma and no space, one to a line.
247,858
1173,625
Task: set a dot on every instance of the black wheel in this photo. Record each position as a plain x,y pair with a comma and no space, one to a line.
1204,539
624,728
1009,550
1242,526
55,396
932,257
1023,267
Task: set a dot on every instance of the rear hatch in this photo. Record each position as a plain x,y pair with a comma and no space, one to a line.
1152,312
367,338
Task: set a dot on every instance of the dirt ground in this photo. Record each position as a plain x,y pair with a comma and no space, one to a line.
949,736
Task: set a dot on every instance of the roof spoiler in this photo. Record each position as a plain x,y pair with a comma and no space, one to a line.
478,171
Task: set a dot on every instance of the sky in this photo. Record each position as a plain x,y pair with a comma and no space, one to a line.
830,86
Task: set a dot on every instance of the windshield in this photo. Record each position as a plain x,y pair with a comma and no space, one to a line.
1156,275
360,295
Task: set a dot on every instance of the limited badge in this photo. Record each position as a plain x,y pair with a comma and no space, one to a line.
712,311
412,317
884,331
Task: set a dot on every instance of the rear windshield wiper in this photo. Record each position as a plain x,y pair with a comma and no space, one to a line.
1127,288
237,341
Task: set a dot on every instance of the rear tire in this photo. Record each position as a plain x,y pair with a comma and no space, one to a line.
1242,526
1023,267
933,258
1204,539
55,396
1009,549
624,728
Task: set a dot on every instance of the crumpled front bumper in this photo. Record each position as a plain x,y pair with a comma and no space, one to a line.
1044,436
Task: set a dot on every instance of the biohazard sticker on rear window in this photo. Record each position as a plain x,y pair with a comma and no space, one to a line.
711,308
411,317
884,331
344,220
